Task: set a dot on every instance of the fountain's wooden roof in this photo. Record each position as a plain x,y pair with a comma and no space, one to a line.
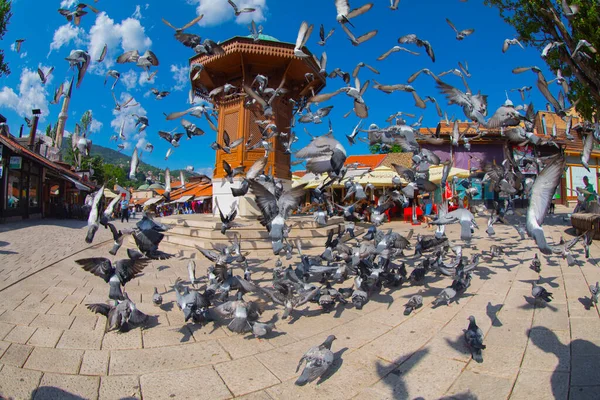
244,59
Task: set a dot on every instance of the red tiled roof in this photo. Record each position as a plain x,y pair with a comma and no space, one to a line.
19,149
195,189
299,174
368,161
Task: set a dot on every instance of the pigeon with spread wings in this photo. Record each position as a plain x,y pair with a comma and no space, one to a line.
116,275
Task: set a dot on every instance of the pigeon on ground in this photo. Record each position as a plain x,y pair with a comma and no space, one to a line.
193,304
445,296
262,329
539,293
536,264
157,298
595,291
413,303
474,339
191,267
284,295
120,317
241,312
318,360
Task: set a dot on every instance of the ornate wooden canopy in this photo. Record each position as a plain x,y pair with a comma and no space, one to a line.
242,61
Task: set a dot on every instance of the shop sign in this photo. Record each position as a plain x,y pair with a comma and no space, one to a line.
15,162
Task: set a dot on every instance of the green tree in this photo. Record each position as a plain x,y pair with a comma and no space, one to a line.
86,122
540,22
114,174
379,149
96,163
5,15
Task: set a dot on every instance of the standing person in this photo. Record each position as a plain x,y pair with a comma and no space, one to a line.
124,208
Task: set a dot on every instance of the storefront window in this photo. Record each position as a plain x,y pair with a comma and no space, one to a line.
14,189
34,182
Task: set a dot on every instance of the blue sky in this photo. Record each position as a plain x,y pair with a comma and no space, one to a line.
131,24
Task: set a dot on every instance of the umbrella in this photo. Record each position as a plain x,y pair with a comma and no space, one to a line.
435,173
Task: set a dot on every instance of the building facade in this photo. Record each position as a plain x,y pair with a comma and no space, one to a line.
32,186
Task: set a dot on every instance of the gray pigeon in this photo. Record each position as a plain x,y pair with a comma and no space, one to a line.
121,316
191,267
539,293
474,339
157,298
595,291
445,296
413,303
118,275
318,360
262,329
241,312
536,264
193,304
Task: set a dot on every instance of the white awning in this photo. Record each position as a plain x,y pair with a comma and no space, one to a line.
183,199
153,200
77,184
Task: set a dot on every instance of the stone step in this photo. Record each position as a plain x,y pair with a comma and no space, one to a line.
247,244
189,231
206,221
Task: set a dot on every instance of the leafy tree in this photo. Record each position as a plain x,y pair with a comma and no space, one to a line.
114,174
95,163
86,122
51,132
540,22
5,15
379,149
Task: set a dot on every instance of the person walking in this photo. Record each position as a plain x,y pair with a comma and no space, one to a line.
124,208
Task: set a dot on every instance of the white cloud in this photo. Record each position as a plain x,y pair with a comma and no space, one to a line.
147,6
66,34
95,126
216,12
119,37
129,130
143,78
141,143
32,94
13,46
137,14
67,3
23,55
180,76
129,79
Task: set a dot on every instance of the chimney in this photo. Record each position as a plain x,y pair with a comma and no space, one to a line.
34,124
548,108
21,132
3,126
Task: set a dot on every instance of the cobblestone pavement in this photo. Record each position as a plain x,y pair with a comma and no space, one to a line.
28,246
53,346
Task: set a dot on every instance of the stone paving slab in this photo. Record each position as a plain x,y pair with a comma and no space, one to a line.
51,345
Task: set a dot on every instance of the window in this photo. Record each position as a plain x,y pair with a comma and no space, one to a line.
34,183
14,189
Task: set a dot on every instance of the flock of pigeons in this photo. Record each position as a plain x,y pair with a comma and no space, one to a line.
372,261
